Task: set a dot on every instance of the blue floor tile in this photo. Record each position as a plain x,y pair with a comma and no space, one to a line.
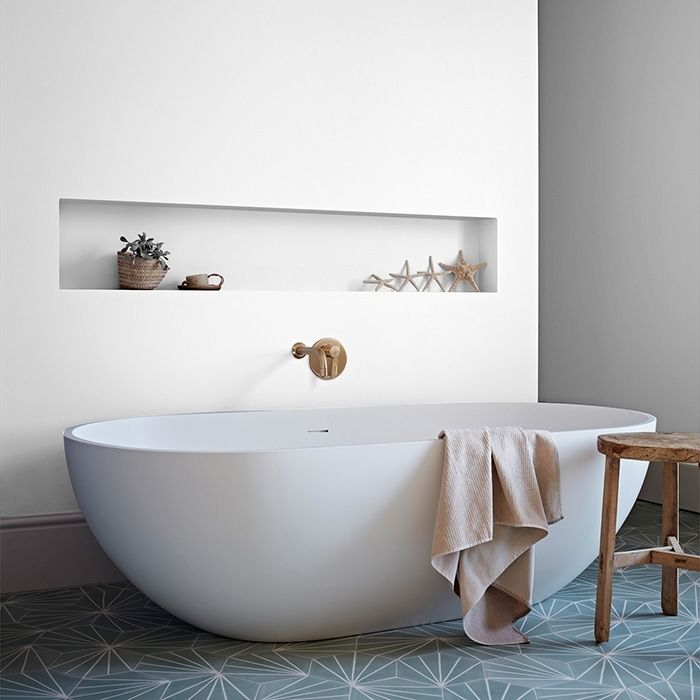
110,642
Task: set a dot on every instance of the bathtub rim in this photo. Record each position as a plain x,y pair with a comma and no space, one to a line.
645,419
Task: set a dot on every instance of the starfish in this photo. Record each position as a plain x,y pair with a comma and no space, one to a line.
432,276
463,272
379,283
406,276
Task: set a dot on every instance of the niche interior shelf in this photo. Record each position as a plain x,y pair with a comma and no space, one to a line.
270,249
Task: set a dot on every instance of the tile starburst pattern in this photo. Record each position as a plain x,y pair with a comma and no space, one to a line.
110,642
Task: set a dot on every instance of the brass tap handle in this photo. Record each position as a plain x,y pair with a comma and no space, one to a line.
332,351
323,359
319,354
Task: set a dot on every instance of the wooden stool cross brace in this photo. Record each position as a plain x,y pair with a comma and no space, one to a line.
670,449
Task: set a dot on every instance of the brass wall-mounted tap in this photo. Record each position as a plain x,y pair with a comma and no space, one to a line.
327,357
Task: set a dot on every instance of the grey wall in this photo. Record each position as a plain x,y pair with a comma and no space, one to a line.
620,208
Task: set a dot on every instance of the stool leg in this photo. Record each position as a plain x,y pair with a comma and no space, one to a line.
607,549
669,528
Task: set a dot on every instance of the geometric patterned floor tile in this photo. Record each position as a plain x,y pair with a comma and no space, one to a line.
110,642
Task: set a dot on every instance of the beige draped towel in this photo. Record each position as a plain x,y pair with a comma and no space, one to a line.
499,493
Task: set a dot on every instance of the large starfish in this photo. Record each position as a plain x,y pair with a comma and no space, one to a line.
406,276
379,283
463,272
432,276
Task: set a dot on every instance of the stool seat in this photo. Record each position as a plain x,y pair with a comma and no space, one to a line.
659,447
670,449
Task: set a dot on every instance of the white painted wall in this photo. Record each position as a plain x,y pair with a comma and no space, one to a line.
381,105
620,209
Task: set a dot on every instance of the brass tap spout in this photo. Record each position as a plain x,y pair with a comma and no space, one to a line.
300,350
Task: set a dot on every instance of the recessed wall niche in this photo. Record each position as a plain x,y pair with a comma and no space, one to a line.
267,248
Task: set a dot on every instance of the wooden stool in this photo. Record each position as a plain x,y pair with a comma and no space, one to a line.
669,448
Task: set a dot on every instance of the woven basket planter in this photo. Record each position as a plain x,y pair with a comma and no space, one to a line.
139,273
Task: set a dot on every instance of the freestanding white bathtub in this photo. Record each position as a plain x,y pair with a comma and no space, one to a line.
307,524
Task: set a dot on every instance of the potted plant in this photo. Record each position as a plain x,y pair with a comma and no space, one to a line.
141,263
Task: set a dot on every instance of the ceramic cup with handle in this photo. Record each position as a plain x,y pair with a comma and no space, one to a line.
203,280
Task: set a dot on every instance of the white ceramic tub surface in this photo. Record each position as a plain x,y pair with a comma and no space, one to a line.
314,523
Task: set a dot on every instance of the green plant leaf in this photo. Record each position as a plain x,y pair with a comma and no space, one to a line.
145,248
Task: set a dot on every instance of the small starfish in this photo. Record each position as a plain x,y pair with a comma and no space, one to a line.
379,283
463,272
407,277
432,276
